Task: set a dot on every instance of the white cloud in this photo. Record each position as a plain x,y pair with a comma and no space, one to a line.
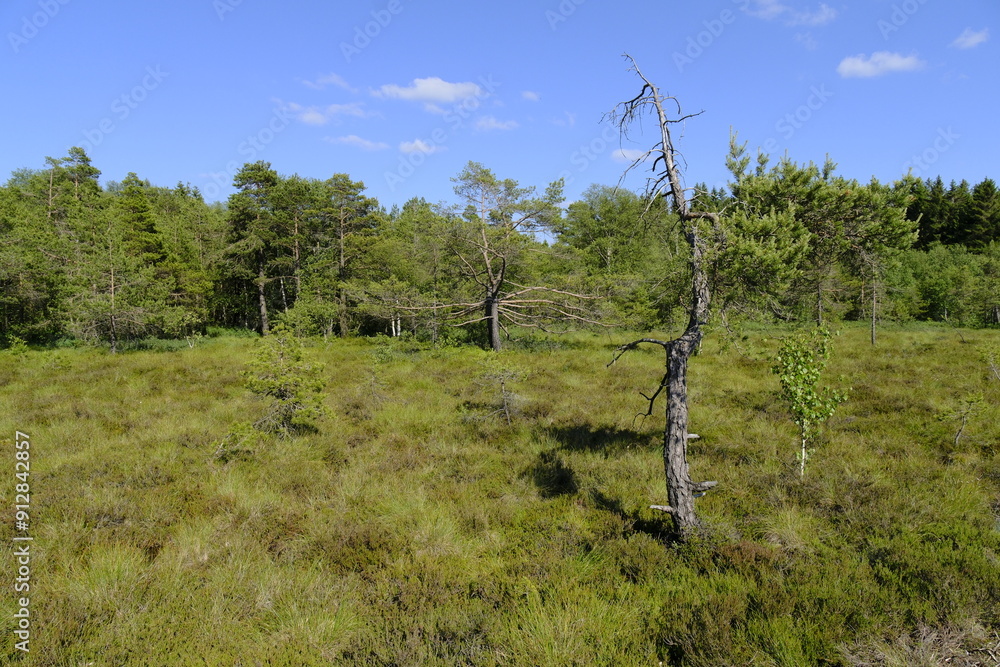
970,38
355,140
880,62
316,115
430,91
325,80
491,123
774,9
313,116
766,9
530,95
627,154
419,146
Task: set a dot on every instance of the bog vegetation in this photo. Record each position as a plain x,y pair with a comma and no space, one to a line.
299,428
452,508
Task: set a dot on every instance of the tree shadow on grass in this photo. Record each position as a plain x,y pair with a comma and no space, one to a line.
660,529
555,478
552,476
608,440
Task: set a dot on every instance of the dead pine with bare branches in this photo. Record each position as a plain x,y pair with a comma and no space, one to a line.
489,240
666,182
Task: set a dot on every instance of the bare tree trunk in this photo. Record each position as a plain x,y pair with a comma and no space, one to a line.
803,453
265,329
872,261
298,261
681,491
874,305
341,272
112,323
493,322
819,302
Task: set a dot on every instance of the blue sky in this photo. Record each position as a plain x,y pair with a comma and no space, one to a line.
401,94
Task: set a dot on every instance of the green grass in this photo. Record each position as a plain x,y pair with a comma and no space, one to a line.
415,529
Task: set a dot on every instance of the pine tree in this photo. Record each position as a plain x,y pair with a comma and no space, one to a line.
346,214
984,215
253,234
958,224
136,213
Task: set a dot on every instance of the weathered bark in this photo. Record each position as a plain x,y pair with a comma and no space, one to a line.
265,329
681,490
495,265
492,315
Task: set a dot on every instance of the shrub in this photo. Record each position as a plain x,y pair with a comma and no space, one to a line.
279,371
801,360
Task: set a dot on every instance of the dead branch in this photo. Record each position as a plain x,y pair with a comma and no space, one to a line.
622,349
666,181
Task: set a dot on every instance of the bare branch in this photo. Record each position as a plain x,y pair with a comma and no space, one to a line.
622,349
478,319
444,306
525,289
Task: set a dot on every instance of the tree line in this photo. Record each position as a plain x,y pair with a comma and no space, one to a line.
131,261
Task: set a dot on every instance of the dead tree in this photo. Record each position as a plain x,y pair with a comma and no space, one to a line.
489,243
666,182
